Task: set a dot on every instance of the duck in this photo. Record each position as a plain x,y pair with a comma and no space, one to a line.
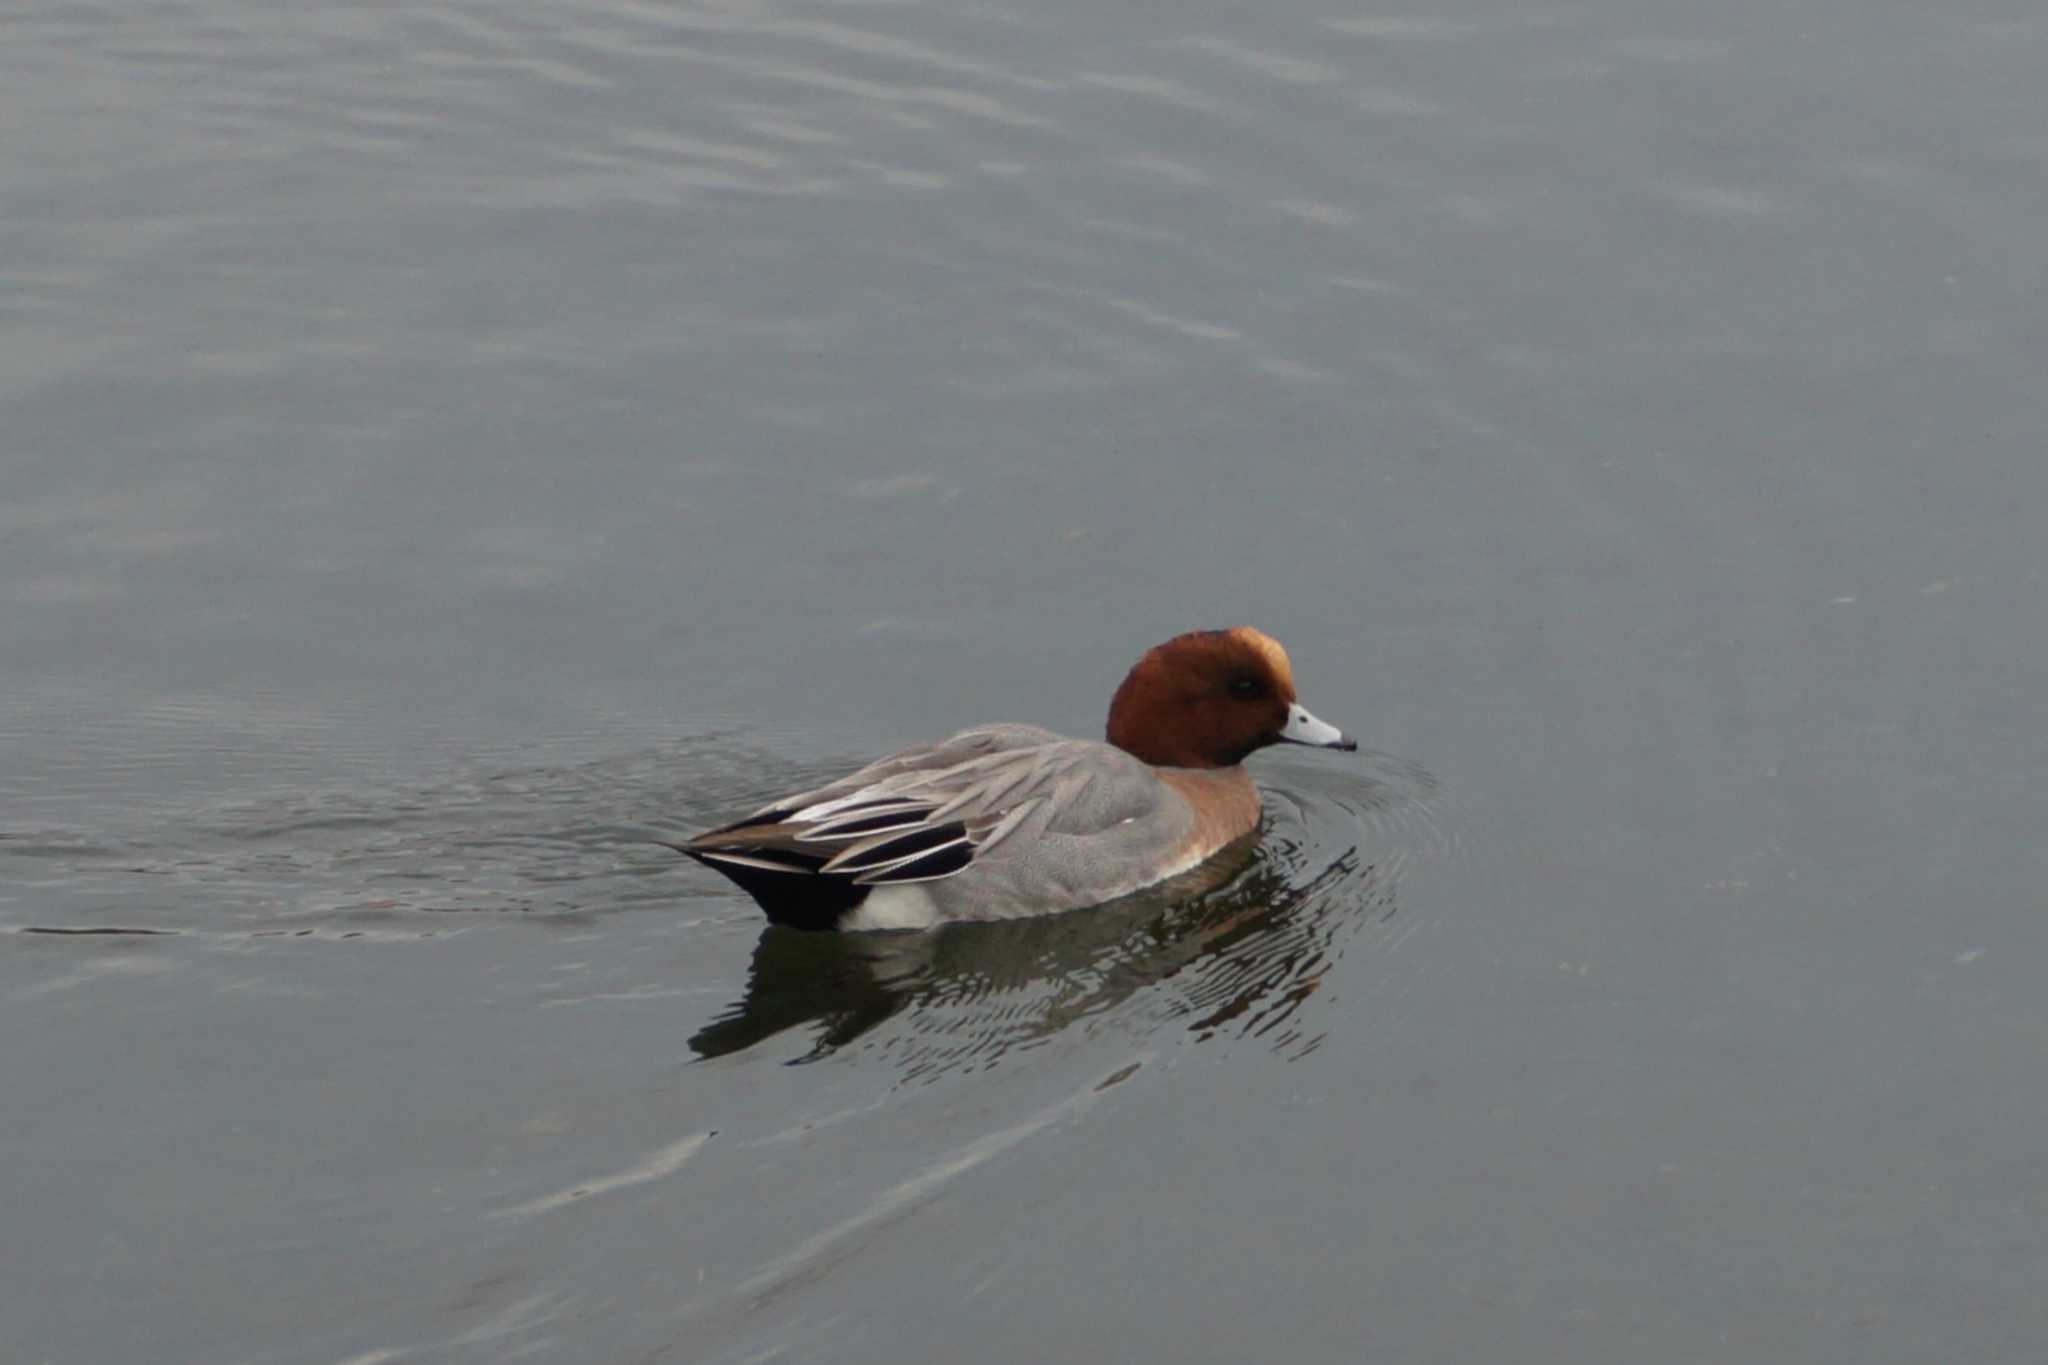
1004,820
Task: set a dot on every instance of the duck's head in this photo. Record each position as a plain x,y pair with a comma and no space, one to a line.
1208,698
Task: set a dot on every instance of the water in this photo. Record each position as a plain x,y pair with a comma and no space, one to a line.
449,448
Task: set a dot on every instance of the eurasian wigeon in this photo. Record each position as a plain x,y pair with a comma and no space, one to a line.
1002,821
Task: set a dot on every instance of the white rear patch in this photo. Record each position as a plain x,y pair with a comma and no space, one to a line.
908,906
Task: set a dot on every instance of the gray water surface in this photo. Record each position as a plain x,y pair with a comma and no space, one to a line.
448,448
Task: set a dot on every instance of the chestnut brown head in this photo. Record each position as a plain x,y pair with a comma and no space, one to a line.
1209,698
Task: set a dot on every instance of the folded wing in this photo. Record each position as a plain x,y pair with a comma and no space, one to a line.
917,816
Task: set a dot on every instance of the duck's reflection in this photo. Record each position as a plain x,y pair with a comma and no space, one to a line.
1237,948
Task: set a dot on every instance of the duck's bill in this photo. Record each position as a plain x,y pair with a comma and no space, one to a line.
1303,728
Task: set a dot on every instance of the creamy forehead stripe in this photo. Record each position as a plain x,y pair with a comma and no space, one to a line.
1269,648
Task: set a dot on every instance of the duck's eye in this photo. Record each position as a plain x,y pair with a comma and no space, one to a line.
1245,689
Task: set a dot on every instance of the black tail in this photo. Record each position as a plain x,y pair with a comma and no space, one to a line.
797,897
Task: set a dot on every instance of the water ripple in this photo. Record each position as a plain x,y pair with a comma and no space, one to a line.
560,841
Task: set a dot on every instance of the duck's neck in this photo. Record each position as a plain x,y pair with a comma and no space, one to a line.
1225,800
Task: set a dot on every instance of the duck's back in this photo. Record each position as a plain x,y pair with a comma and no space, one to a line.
993,822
